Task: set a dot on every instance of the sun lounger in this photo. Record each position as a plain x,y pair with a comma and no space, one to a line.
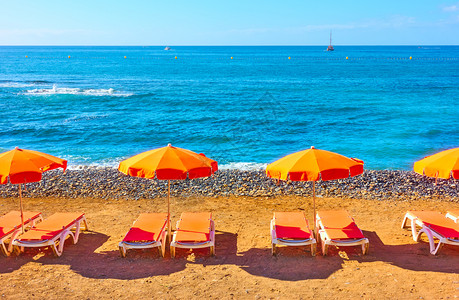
435,225
453,215
291,229
194,230
52,232
337,228
148,231
10,227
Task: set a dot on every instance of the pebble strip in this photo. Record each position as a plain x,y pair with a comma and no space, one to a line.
109,183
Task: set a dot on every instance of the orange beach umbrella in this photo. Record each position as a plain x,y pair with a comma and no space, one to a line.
444,165
312,165
20,166
168,163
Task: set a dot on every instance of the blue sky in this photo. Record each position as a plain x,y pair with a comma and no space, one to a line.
237,22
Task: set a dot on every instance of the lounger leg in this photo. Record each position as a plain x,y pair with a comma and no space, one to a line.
5,252
77,232
273,249
163,240
365,248
414,232
433,249
58,249
122,251
439,245
313,249
13,237
55,250
83,219
162,249
404,222
172,251
212,250
324,248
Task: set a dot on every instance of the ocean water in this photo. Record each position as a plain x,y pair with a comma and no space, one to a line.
243,106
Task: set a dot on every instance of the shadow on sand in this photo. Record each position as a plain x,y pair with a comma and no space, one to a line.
291,263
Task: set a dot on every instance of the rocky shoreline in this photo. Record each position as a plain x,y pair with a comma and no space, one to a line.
109,183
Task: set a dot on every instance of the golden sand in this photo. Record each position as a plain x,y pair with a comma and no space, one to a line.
396,266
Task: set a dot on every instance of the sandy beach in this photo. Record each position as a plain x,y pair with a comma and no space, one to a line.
396,266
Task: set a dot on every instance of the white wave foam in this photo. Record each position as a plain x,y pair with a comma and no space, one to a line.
15,85
243,166
85,117
76,91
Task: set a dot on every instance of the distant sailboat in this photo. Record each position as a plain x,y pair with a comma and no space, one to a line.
330,47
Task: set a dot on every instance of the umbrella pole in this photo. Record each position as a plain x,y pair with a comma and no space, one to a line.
314,204
22,213
168,210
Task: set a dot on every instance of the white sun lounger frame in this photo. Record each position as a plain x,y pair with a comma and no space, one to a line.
431,234
12,235
57,242
327,241
210,243
278,241
160,243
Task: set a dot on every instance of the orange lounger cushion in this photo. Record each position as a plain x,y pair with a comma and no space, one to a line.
339,225
438,223
194,227
291,225
51,227
12,221
148,227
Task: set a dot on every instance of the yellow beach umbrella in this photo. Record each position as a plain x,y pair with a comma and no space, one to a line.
313,165
444,165
169,163
21,166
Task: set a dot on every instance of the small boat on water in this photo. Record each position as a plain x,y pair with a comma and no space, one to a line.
167,48
330,47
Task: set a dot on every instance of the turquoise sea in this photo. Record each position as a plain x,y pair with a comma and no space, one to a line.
243,106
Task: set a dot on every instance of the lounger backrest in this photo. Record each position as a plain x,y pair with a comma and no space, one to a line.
291,225
52,226
339,224
438,223
148,227
194,227
12,221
